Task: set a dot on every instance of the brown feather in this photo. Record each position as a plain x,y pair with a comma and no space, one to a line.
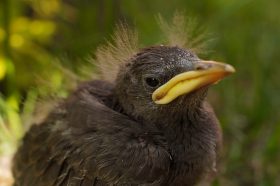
183,32
108,57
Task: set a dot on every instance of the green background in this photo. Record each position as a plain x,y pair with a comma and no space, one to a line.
38,37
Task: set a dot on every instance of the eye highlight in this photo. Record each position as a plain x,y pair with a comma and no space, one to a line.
152,82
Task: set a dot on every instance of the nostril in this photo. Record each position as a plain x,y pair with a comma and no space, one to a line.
200,67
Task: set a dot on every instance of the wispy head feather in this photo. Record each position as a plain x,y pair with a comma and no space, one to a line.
183,32
109,56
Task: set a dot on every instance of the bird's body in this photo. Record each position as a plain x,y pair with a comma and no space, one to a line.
149,126
80,145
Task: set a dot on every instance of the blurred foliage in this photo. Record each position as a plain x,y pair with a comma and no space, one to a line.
38,37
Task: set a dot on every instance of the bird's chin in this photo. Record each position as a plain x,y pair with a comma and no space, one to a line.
190,100
184,105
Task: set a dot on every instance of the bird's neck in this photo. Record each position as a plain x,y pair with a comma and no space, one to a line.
193,137
179,124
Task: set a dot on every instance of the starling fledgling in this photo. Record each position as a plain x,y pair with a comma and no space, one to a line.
149,126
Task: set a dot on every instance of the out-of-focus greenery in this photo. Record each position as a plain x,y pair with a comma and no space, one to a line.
39,36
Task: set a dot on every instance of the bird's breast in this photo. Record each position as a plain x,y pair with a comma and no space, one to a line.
193,154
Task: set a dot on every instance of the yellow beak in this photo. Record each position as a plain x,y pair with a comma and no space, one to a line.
206,73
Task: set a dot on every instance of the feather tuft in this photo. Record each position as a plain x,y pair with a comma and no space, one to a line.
183,32
110,56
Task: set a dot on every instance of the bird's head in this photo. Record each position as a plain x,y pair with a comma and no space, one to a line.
163,80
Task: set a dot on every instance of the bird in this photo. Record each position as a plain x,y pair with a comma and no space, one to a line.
146,122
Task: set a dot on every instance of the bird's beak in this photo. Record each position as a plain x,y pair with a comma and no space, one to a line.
205,73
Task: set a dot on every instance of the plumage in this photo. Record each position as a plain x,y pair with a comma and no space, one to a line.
111,131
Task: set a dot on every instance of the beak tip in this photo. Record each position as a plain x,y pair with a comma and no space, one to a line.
229,68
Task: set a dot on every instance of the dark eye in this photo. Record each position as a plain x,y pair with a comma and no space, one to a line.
152,82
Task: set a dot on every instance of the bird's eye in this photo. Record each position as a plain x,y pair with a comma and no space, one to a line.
152,82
